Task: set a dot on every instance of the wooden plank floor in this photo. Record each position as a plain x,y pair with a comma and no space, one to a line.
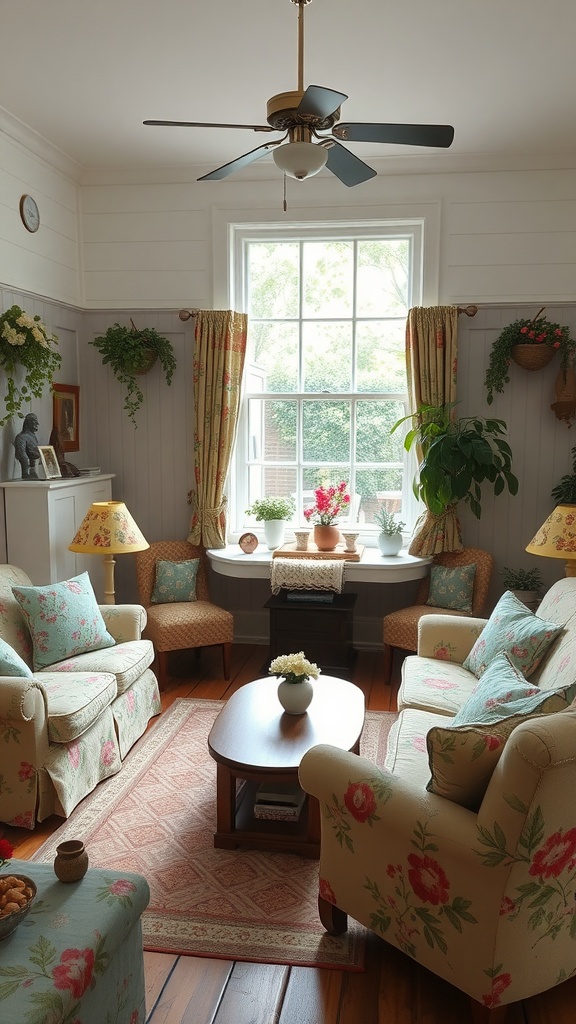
392,989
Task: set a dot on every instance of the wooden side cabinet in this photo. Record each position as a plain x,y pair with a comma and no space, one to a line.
323,631
42,517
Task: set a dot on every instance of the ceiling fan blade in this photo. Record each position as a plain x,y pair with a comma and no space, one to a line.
239,162
211,124
346,166
440,135
320,102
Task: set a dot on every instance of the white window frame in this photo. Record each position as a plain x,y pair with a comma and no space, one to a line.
231,236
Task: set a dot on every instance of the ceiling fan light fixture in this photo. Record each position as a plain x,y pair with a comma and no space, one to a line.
300,159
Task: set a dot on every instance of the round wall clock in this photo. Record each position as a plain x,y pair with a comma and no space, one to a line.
29,213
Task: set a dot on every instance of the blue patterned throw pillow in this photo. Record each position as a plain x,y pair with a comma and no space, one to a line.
516,631
64,619
175,581
11,664
452,588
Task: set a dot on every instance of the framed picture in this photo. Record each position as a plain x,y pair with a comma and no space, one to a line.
66,415
49,461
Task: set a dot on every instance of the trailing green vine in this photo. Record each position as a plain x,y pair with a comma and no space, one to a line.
537,331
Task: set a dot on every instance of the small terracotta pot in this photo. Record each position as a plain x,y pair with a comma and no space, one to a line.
326,537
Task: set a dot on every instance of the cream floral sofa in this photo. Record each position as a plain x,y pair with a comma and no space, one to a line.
68,726
461,849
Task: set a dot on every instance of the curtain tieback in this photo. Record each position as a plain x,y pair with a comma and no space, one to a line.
203,514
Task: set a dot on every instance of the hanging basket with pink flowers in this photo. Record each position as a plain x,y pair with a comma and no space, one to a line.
531,344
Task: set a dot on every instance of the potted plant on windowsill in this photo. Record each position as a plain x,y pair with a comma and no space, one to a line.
329,503
531,344
130,353
390,536
458,456
274,512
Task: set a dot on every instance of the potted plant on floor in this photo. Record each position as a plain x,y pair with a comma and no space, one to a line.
525,584
274,512
458,456
531,344
390,537
130,353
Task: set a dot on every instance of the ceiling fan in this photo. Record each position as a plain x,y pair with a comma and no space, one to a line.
304,116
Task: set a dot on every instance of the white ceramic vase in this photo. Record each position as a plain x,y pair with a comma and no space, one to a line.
390,544
274,531
295,698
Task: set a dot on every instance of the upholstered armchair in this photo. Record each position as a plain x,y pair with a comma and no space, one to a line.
400,628
484,899
181,625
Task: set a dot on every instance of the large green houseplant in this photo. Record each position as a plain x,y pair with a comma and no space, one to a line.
457,457
130,353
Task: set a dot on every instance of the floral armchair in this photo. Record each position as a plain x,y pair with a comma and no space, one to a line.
485,900
479,890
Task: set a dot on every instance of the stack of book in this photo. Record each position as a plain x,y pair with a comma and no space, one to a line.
278,803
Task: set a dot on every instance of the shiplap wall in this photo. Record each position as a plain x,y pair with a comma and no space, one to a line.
505,240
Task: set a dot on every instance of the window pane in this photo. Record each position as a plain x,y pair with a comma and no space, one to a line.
328,276
381,356
272,430
327,354
272,482
379,488
273,280
326,431
382,285
273,352
374,442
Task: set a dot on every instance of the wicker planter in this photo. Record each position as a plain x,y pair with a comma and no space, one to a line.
533,357
151,358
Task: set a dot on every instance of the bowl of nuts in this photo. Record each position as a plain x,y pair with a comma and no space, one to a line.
17,894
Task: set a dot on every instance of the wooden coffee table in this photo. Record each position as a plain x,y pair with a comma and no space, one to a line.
254,741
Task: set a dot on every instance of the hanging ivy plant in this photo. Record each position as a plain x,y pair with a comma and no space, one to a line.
537,331
130,353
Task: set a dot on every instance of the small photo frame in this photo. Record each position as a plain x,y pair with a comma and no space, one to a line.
49,461
66,415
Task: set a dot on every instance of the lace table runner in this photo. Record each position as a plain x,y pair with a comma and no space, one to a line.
306,574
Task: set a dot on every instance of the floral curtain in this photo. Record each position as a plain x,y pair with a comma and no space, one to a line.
431,362
218,364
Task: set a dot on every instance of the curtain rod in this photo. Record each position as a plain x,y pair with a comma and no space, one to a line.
185,314
469,310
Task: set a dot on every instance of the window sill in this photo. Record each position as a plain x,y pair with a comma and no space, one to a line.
373,567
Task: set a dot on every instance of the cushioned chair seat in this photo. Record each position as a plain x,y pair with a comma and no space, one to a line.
182,625
126,661
400,628
75,702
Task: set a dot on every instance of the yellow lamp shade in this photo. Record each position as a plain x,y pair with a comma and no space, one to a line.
556,538
108,527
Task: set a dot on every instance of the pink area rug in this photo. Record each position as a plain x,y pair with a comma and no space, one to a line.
157,818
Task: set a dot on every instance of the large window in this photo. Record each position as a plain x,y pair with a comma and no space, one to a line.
325,374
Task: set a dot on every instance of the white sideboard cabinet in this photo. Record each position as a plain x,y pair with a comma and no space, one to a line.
42,517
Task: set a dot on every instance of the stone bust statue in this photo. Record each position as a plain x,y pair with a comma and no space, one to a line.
26,447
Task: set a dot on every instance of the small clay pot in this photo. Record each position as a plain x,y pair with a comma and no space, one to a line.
71,861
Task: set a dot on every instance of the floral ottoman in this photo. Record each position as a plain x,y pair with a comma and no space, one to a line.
77,956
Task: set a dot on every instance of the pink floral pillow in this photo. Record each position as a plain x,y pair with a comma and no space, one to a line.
514,630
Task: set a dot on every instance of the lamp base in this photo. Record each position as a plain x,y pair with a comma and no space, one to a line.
109,596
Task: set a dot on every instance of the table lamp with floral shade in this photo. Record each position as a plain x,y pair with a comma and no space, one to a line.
556,538
108,529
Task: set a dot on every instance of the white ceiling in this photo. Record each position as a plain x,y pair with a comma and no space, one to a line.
84,74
